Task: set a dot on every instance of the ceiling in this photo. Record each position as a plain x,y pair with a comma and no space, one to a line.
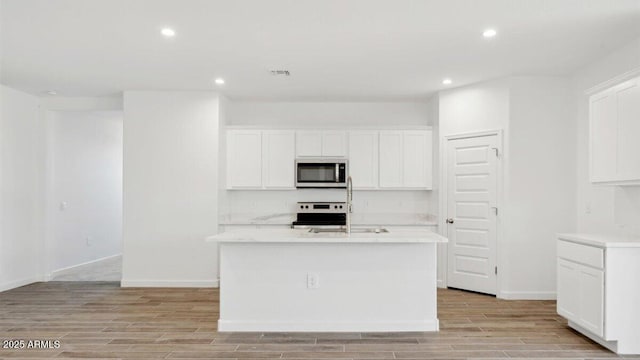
335,50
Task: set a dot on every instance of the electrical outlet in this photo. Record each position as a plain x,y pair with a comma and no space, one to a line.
88,240
587,208
313,281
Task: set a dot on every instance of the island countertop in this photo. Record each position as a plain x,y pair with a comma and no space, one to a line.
304,236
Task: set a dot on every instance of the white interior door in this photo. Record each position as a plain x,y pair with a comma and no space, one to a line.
471,213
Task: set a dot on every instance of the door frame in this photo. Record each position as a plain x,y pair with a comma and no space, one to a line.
443,250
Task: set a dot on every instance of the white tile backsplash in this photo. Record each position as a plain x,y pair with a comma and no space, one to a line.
269,202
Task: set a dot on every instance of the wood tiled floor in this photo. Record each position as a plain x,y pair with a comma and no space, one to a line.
101,320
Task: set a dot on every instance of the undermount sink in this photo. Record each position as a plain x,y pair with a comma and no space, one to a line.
353,230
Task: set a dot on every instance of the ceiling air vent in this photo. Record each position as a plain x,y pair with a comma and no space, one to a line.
280,72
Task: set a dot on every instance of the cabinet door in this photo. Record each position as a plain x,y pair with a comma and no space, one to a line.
363,159
244,159
603,134
334,143
591,299
278,159
417,156
627,111
568,300
390,163
309,143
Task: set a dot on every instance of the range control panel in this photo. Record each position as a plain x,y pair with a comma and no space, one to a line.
321,207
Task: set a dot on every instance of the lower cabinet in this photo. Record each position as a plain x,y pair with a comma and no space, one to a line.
581,295
598,291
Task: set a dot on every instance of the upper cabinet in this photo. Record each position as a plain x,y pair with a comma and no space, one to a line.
417,166
614,116
391,169
363,159
321,143
259,159
244,159
406,159
278,159
378,160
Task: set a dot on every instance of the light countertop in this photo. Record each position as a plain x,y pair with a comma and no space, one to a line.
376,219
603,241
304,236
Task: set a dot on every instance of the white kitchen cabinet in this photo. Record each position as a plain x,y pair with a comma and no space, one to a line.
259,159
417,155
363,159
614,133
334,143
308,143
597,291
406,159
278,156
321,143
580,295
378,160
568,296
244,159
391,153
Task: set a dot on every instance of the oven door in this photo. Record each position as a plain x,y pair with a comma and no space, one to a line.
316,174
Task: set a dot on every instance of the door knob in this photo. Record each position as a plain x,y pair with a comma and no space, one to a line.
449,221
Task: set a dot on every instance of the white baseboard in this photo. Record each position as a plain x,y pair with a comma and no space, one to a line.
21,282
440,283
327,326
170,283
527,295
73,268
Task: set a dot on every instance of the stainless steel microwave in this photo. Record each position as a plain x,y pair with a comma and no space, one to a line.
321,173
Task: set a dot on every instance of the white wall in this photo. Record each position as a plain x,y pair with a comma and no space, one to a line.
540,189
537,172
470,109
170,188
475,108
223,198
318,114
86,187
53,103
603,209
21,197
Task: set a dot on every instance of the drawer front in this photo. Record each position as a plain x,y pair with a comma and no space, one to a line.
583,254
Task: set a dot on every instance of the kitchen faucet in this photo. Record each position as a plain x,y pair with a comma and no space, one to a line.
349,202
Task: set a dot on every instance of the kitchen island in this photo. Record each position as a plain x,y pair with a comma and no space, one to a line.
295,280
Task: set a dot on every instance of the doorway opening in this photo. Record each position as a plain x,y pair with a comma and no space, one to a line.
84,195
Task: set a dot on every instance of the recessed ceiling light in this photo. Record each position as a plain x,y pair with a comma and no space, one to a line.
447,81
168,32
489,33
219,81
51,92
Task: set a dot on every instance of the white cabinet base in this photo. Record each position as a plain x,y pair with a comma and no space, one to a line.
598,290
611,345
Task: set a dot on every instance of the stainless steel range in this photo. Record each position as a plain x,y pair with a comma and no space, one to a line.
320,214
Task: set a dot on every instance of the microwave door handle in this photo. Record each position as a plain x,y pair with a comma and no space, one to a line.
337,172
